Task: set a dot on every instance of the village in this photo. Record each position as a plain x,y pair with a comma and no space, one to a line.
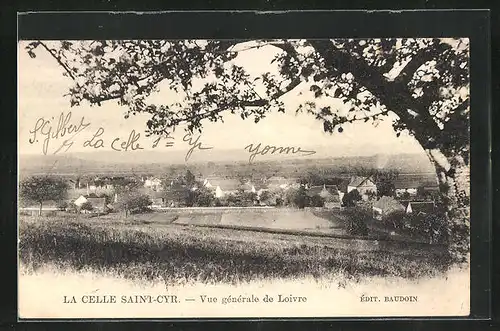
103,194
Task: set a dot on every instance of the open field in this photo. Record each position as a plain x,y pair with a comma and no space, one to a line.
149,249
283,218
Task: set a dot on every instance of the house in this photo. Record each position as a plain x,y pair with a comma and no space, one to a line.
98,204
75,183
364,185
80,201
222,187
419,207
153,183
330,194
158,202
314,190
279,182
405,186
248,187
386,206
158,199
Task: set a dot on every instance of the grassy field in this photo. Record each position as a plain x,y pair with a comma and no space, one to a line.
152,249
272,218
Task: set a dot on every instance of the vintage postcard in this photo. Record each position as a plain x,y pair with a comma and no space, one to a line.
243,178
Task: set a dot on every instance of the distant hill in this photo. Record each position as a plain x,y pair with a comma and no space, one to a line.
153,162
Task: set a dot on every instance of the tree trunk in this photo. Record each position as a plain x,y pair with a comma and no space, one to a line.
453,175
40,210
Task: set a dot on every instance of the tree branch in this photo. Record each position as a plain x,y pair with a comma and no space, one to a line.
420,58
58,59
394,95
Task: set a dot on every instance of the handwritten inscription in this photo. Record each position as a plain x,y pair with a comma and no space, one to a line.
96,140
267,149
132,143
194,143
63,129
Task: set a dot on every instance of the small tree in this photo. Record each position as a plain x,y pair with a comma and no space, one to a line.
86,206
301,200
385,188
73,208
43,188
134,203
62,205
203,197
317,201
349,199
266,198
190,178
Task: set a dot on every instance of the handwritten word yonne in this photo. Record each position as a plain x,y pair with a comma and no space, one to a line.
259,150
63,129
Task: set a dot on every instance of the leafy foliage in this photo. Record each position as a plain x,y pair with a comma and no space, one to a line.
349,199
423,81
134,202
316,201
62,205
297,197
357,221
432,227
87,206
43,188
385,188
240,198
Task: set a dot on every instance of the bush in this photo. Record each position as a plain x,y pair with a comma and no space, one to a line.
431,227
86,206
135,203
357,220
395,220
297,197
349,199
62,205
316,201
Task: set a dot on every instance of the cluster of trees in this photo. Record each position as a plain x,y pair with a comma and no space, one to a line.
431,226
134,202
39,189
42,188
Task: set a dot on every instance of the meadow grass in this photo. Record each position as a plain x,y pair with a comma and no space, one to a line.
146,250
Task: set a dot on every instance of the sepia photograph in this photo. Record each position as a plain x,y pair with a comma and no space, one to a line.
223,178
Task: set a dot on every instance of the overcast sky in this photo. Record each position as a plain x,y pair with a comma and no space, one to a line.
42,86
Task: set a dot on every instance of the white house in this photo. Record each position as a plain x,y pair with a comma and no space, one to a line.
248,187
153,183
80,201
279,182
364,185
222,187
419,207
403,186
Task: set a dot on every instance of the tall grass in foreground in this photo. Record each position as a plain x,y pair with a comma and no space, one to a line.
182,254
